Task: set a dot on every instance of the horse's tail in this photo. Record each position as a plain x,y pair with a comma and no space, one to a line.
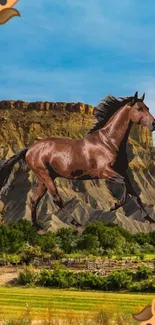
6,166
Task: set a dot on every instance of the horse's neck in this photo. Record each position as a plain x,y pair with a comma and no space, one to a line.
118,128
126,136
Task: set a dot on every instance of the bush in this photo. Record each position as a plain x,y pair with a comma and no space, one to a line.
143,286
148,248
143,273
27,277
142,238
132,248
57,253
118,280
87,280
45,278
29,253
11,259
60,277
63,279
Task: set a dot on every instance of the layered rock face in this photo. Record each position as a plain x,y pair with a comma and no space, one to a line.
23,123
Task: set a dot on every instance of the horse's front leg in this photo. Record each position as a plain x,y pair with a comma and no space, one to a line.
113,176
136,198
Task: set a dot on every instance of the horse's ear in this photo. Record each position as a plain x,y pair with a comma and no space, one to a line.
153,307
136,95
134,99
144,315
142,98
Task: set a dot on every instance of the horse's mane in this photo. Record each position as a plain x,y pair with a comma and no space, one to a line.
106,108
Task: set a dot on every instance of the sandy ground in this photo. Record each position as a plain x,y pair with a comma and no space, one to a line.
8,274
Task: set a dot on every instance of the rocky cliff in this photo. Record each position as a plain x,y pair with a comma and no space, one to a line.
23,123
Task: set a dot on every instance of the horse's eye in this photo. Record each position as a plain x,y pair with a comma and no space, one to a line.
139,109
148,324
3,2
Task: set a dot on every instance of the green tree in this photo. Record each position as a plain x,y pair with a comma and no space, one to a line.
142,238
152,238
16,240
30,234
47,242
89,243
67,239
4,239
109,237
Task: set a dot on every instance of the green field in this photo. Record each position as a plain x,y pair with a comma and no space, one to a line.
14,301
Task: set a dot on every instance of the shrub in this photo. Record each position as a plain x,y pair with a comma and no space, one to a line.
118,280
63,279
27,277
141,256
132,248
87,280
45,278
11,258
143,286
60,277
148,248
29,253
143,273
142,238
57,253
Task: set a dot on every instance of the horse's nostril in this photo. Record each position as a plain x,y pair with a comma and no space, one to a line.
3,2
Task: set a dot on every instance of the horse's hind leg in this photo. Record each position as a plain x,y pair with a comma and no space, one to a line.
35,199
54,193
49,184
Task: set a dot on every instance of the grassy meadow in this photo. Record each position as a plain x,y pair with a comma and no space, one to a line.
16,301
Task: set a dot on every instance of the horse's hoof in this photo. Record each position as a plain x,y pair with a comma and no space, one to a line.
42,232
114,207
149,219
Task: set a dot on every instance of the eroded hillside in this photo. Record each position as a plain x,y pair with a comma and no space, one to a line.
23,123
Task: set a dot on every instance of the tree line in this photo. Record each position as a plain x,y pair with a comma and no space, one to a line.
97,239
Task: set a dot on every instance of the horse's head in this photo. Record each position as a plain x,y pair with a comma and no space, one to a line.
147,315
139,113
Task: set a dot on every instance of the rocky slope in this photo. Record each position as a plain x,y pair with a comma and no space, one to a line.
23,123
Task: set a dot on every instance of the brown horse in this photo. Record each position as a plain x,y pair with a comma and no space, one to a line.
92,157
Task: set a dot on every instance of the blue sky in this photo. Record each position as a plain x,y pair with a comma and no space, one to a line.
76,50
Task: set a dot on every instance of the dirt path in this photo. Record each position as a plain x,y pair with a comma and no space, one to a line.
8,274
